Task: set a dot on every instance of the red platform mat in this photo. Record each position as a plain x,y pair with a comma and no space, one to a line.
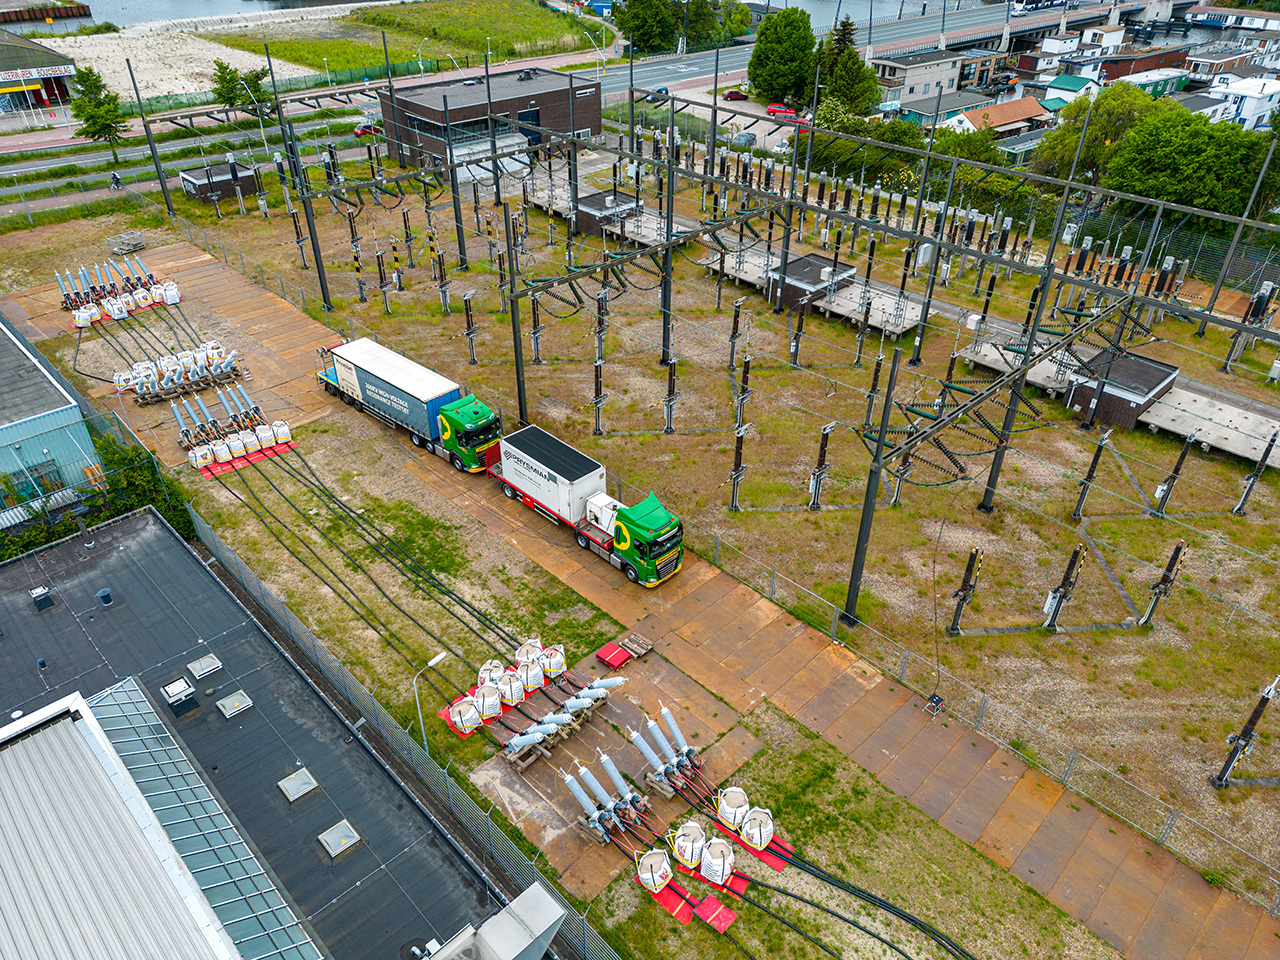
217,469
771,859
670,900
613,656
715,913
735,888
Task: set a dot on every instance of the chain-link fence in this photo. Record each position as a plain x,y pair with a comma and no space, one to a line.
575,931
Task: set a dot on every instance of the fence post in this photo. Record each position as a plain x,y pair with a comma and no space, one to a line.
715,547
835,622
773,574
902,668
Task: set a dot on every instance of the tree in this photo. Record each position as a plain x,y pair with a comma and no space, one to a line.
855,83
98,110
781,60
735,19
1115,110
977,146
836,115
703,25
649,25
1180,157
226,85
253,98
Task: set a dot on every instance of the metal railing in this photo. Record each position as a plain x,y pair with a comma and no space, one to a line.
575,930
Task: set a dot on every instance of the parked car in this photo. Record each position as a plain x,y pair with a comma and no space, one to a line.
776,109
743,141
734,95
782,146
368,129
658,95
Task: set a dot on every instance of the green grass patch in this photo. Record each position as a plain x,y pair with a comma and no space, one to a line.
507,27
343,53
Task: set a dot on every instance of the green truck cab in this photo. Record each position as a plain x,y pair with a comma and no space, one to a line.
467,429
648,539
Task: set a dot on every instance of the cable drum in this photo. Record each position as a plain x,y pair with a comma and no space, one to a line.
530,675
654,870
717,861
732,806
552,660
510,688
490,671
757,829
464,715
488,701
688,843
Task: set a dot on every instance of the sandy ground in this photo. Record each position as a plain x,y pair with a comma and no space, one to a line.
165,63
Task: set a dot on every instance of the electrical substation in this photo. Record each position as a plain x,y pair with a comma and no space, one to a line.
911,448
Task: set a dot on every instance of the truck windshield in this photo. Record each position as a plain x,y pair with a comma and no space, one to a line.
490,431
652,549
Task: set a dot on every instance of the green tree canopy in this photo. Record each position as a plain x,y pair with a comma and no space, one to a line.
1115,110
847,159
1180,157
704,27
856,83
735,19
226,84
649,25
781,59
98,110
977,145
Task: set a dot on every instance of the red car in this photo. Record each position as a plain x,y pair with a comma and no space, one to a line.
779,109
734,95
368,130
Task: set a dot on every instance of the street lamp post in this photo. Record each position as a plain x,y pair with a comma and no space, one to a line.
599,50
261,128
327,75
431,663
422,71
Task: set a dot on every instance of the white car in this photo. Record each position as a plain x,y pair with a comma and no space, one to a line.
782,146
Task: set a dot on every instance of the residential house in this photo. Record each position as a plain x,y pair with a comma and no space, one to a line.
1020,148
1067,87
1234,17
1206,62
1247,71
914,75
922,110
1159,83
979,66
1117,64
1215,108
1043,63
1250,102
1087,64
759,11
1109,36
1265,45
1008,119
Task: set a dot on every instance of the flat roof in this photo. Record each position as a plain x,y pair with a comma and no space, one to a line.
552,453
504,86
1022,141
1129,371
27,389
404,881
396,369
1199,101
85,870
807,270
961,100
928,56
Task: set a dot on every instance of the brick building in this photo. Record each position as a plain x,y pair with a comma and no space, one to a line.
523,100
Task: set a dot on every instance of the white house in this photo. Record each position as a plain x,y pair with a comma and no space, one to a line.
1109,36
1265,45
1215,108
1068,87
1250,102
1208,61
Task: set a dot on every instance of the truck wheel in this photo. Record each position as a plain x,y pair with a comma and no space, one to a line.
348,399
509,491
417,440
457,463
359,407
630,571
583,542
330,389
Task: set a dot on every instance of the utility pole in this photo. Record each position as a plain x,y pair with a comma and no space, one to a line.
1063,592
517,346
967,590
1161,588
151,142
1165,490
850,615
1242,743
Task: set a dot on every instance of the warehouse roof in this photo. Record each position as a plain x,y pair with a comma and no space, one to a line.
27,389
503,86
86,869
402,881
19,53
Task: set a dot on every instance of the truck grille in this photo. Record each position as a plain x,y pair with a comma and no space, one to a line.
667,565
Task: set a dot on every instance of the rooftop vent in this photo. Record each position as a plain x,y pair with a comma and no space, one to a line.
339,838
42,598
237,702
297,785
104,596
204,666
